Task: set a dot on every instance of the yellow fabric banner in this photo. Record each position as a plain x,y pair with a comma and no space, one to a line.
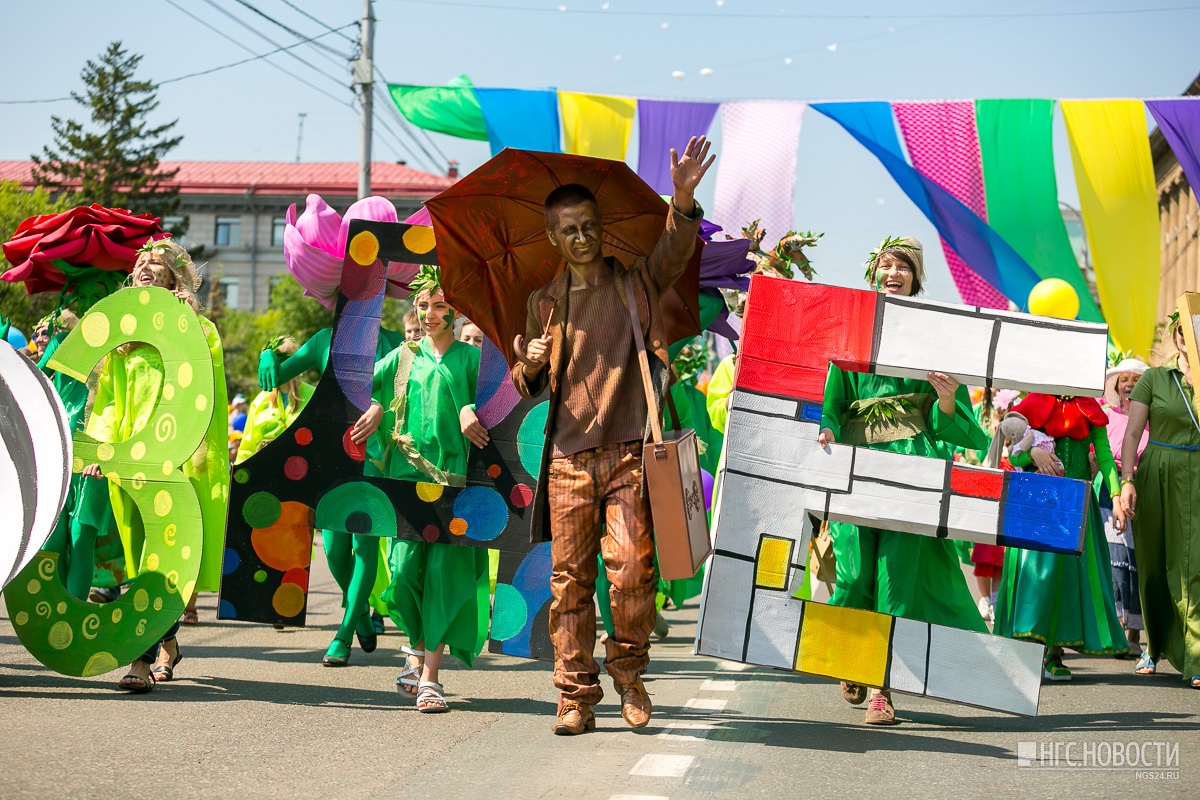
1110,149
596,125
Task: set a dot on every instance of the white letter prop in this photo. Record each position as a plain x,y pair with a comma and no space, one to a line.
35,460
774,474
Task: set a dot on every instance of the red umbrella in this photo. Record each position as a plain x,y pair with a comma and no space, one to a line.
492,246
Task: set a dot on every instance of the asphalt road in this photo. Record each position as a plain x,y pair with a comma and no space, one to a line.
253,714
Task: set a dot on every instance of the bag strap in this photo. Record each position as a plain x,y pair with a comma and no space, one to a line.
671,409
644,363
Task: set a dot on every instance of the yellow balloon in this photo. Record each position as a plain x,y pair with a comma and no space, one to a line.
1054,297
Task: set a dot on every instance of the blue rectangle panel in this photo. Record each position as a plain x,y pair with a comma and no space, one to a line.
1042,512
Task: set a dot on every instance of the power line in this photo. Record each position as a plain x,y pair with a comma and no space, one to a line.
248,49
324,25
735,15
290,30
226,12
387,102
208,71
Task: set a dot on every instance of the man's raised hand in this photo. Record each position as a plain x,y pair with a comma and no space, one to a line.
687,170
535,357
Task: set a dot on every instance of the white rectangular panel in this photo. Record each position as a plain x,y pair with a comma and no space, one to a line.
925,339
891,507
749,507
1049,360
724,608
973,519
910,645
983,670
774,628
915,471
786,451
778,406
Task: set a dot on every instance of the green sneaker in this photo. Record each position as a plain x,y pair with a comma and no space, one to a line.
338,654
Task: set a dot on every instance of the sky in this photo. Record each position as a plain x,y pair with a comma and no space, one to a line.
754,49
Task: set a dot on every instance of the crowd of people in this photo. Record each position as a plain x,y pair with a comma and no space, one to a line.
1139,570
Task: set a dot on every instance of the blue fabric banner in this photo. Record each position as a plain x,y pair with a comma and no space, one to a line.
984,250
526,119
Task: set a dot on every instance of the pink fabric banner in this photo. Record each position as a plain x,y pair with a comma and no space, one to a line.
756,169
943,145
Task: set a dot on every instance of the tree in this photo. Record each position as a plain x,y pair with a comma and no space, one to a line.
17,205
117,164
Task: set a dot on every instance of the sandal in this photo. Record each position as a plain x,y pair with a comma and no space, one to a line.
411,674
430,699
165,672
1055,670
1145,664
1195,682
190,617
143,685
338,654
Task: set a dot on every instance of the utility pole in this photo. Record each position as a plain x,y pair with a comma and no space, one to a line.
300,136
364,69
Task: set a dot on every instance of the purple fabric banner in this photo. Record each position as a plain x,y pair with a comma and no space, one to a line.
1179,120
663,124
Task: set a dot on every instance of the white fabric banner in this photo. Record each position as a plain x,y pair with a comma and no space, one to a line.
756,169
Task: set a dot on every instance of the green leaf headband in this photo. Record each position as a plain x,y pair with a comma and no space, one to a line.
428,279
889,243
176,259
1173,320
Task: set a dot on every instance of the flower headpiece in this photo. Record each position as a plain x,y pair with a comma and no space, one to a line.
889,243
428,279
175,258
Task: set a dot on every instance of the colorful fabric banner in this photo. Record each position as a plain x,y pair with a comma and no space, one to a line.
663,125
944,145
1016,145
1179,120
1115,176
451,109
596,125
992,258
526,119
756,171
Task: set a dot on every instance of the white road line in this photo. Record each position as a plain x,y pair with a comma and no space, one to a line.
638,797
714,685
658,765
687,733
705,704
735,666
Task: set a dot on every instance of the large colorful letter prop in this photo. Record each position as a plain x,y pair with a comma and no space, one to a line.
774,473
75,637
35,460
312,476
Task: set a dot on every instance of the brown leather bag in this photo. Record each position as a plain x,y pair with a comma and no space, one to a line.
672,469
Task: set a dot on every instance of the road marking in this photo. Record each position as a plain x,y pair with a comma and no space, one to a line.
638,797
705,704
687,733
714,685
735,666
658,765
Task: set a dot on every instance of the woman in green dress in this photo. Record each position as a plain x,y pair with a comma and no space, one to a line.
1056,599
1165,496
891,572
438,592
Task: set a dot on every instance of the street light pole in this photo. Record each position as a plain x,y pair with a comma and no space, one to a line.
364,69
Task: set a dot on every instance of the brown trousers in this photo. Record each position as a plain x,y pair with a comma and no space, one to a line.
596,492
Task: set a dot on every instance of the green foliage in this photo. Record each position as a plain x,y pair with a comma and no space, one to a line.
17,205
117,163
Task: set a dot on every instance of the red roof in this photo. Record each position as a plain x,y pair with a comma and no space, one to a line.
278,177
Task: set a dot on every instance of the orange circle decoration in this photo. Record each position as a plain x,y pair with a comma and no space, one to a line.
494,471
287,544
419,239
364,248
288,600
458,526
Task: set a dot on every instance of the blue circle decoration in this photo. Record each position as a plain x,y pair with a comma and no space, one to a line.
531,438
230,562
484,510
226,610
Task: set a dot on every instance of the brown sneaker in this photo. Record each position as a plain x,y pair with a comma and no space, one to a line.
880,711
635,704
574,718
854,693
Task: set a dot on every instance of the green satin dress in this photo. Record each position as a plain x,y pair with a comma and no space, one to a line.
1063,600
1167,534
892,572
438,593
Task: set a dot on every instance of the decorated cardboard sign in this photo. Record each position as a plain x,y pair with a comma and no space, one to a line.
75,637
35,460
774,470
312,475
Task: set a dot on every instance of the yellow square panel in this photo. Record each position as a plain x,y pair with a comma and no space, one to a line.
844,643
771,569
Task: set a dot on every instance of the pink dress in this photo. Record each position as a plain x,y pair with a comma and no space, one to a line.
1118,421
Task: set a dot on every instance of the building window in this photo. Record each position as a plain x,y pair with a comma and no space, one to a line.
278,224
229,293
228,231
176,225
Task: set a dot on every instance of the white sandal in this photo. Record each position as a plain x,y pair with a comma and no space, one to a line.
411,674
430,699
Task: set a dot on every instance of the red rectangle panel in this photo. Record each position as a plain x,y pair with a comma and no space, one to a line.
793,330
987,485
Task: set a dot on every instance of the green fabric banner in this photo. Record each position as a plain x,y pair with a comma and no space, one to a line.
1022,195
452,109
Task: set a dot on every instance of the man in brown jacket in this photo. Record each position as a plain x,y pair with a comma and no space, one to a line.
579,339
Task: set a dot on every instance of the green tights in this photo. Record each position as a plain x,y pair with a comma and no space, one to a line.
354,561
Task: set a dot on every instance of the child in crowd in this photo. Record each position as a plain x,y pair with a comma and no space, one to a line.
413,332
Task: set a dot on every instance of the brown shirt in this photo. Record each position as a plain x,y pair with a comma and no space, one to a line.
602,401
